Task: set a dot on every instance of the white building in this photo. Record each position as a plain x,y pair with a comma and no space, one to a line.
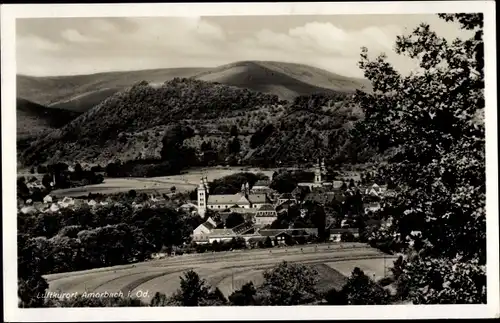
319,170
220,202
266,215
262,187
203,230
47,199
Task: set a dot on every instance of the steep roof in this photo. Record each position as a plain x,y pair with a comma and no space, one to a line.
262,183
227,199
287,196
266,207
321,198
257,198
208,225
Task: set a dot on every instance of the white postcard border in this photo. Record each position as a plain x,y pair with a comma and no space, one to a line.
12,313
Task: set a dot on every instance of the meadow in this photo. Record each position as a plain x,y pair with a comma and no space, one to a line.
226,270
163,184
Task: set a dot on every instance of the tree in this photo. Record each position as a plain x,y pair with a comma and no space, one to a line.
234,219
432,119
289,284
283,183
214,298
244,296
234,131
194,291
172,189
234,146
361,290
32,264
268,243
78,168
159,300
336,297
22,189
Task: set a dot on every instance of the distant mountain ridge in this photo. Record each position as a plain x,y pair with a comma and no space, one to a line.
287,80
110,118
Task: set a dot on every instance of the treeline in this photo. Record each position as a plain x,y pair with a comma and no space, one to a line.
129,123
140,108
313,126
83,238
302,288
57,176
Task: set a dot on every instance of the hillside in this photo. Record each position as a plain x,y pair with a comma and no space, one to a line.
34,119
286,80
82,92
324,132
131,124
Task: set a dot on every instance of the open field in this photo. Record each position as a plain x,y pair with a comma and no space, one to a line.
183,182
226,270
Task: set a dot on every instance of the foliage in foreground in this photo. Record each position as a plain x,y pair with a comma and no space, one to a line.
432,118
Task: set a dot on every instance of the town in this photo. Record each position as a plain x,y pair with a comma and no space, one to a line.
242,181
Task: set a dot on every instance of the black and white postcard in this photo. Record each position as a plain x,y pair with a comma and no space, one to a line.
250,161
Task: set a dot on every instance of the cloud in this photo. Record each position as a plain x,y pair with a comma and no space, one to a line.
162,42
74,36
35,43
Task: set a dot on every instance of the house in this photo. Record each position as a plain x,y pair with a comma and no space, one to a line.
188,207
372,207
201,232
66,202
274,234
300,191
261,186
337,184
92,203
336,234
320,198
29,209
248,214
266,215
284,206
286,236
221,235
47,199
53,208
286,197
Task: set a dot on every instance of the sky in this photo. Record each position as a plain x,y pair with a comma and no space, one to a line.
70,46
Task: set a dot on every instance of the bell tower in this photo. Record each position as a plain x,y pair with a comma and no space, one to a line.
202,197
317,173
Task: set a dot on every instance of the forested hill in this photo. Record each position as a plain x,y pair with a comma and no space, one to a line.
315,126
82,92
33,120
131,124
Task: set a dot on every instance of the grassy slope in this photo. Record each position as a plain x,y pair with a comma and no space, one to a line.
82,92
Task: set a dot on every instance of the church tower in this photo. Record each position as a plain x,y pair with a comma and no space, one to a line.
202,197
317,173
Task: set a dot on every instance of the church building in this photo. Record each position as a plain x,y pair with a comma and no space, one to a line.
319,179
243,199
